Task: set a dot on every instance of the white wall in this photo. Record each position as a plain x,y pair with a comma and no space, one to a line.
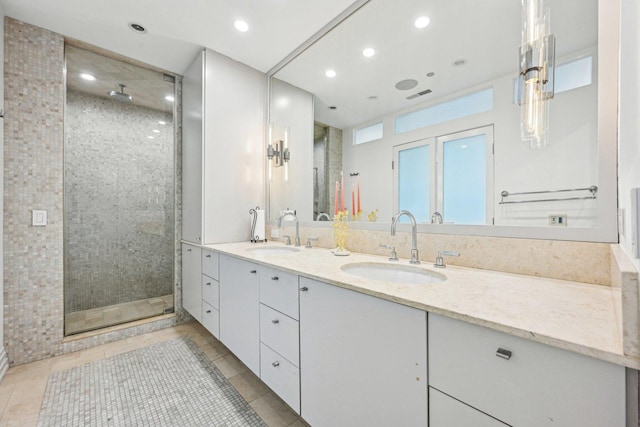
629,114
570,161
292,107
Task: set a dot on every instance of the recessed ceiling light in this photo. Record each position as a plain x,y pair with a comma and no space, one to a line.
369,52
88,77
372,98
161,122
459,62
241,26
422,22
137,27
155,131
330,73
151,137
169,98
431,74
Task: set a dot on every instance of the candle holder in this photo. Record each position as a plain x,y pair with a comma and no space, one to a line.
372,216
356,217
340,233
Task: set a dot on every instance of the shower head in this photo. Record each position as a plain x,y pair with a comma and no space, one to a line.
120,95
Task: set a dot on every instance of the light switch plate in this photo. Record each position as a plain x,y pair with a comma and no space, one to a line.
38,218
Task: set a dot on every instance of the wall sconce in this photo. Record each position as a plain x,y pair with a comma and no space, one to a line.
535,81
280,155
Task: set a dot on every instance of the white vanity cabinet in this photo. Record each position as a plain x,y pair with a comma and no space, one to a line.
191,280
362,359
239,310
446,411
279,334
517,381
210,292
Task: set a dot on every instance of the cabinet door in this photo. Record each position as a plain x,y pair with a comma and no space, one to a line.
445,411
521,382
240,310
362,359
191,281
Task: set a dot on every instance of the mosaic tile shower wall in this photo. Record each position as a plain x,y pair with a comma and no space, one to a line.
119,207
34,91
33,179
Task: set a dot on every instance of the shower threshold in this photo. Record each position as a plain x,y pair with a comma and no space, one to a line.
102,317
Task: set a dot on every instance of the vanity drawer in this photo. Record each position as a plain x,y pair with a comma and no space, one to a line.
211,319
211,291
210,263
281,376
521,382
281,333
279,290
444,411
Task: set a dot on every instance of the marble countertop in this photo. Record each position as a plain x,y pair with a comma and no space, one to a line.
574,316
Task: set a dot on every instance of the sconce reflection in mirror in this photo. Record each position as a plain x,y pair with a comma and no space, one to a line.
280,155
535,81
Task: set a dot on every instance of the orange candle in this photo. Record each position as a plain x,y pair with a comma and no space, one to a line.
335,203
342,191
353,200
359,210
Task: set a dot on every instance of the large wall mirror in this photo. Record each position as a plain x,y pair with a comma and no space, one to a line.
425,118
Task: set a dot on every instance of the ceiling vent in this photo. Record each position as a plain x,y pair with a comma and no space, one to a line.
415,95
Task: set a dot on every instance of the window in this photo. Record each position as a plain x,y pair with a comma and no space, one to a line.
367,134
568,76
451,174
464,106
574,74
414,181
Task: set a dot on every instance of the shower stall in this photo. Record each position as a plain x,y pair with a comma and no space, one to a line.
119,192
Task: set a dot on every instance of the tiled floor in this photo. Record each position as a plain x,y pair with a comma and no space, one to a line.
22,389
96,318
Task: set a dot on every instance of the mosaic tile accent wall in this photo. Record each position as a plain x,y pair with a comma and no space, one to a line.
119,212
33,179
34,93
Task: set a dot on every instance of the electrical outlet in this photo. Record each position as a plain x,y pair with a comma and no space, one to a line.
558,220
275,233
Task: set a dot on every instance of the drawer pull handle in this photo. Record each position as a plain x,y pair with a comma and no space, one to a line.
208,311
188,250
275,364
275,321
304,289
275,278
253,271
505,354
209,256
209,284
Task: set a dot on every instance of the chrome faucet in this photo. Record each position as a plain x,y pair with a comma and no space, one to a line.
415,259
323,215
436,218
295,218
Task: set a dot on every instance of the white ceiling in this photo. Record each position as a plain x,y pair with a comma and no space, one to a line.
486,33
177,30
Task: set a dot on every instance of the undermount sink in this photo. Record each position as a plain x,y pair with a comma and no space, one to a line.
273,250
397,273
